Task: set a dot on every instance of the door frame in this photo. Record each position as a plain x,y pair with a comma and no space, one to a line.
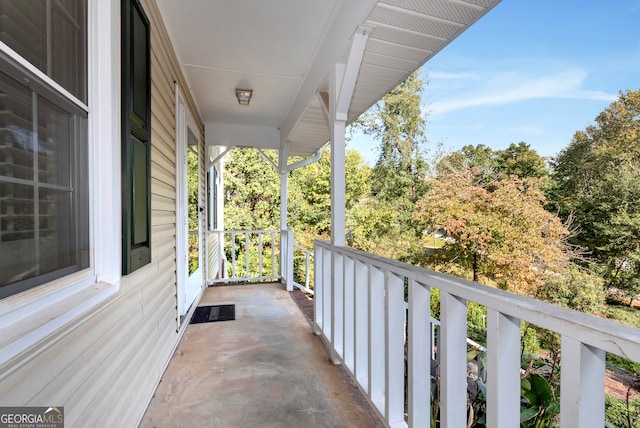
184,122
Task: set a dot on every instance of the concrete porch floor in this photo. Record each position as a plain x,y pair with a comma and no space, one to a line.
265,369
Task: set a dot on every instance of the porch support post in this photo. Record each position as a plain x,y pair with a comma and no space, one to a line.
283,156
341,86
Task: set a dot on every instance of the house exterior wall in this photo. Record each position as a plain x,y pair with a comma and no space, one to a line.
104,365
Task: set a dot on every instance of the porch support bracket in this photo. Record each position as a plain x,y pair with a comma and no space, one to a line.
270,161
221,155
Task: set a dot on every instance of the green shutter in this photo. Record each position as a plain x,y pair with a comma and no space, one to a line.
136,138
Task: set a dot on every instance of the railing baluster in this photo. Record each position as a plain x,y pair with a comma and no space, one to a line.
582,385
420,347
246,255
327,310
377,331
260,253
307,272
273,253
318,297
376,338
453,361
361,315
349,319
233,254
394,349
337,294
503,370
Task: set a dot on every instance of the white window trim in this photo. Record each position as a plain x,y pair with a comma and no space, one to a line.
62,301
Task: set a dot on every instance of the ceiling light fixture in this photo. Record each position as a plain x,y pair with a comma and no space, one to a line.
244,96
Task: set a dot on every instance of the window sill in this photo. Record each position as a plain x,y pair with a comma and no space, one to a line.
26,324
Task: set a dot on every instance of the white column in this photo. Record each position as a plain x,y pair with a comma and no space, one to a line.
283,155
338,170
341,86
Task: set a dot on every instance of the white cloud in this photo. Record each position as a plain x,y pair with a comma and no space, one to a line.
511,87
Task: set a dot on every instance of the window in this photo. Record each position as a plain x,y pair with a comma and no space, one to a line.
52,36
44,195
136,138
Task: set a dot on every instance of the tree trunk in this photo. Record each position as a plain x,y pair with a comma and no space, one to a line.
476,268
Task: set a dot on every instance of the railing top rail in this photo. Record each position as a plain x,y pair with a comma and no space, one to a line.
300,247
610,336
246,231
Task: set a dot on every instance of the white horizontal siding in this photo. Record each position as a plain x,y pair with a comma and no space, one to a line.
104,367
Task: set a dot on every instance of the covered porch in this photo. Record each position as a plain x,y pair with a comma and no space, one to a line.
265,368
378,357
374,314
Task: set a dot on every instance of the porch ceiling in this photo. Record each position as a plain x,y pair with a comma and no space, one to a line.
284,51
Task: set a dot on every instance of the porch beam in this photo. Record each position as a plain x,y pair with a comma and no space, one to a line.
345,18
348,84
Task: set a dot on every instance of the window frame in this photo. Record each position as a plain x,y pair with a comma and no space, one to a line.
45,94
67,298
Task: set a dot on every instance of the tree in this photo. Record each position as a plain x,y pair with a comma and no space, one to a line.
397,121
310,194
500,231
521,160
479,157
252,192
517,159
596,180
382,224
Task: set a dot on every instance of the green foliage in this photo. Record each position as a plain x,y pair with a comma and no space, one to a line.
624,365
382,224
621,413
193,184
310,194
529,339
519,160
539,406
574,288
251,192
477,323
398,122
511,243
596,182
623,314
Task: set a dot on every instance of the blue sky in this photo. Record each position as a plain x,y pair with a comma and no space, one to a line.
530,70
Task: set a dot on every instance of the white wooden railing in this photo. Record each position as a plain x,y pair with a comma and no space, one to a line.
255,255
249,255
307,285
359,310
